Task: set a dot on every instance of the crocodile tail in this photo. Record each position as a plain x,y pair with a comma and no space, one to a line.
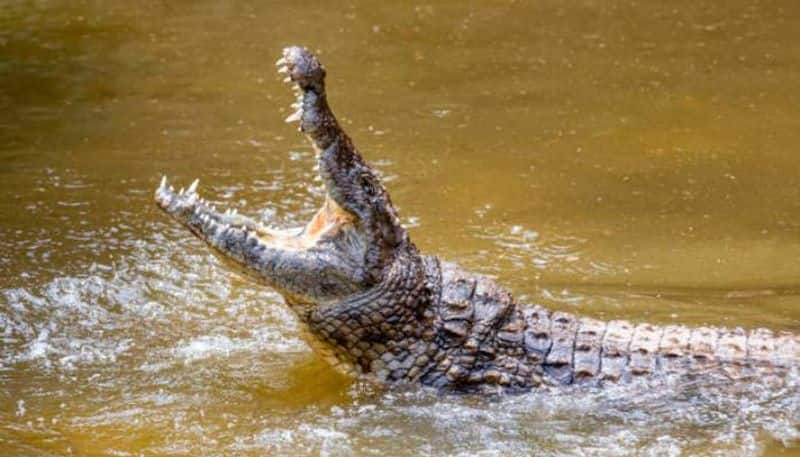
572,349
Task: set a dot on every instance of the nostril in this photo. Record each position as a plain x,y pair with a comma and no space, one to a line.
302,66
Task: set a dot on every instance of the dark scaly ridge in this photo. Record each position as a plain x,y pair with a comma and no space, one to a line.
537,334
588,354
616,358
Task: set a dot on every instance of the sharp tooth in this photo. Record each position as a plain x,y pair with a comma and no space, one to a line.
287,79
197,210
233,212
163,184
192,198
180,192
296,116
193,187
296,105
283,69
281,61
171,189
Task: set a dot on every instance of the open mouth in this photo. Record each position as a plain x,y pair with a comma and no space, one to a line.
347,243
305,75
228,228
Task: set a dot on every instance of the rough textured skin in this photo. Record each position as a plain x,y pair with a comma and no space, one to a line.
380,308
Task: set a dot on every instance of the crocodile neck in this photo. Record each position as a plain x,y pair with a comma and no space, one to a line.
387,331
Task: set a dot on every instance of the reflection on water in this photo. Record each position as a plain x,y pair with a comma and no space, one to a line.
633,160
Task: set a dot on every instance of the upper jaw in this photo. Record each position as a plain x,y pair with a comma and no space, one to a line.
307,76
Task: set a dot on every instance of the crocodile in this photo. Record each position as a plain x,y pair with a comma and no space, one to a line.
379,308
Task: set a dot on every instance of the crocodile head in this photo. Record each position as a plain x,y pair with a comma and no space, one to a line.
346,248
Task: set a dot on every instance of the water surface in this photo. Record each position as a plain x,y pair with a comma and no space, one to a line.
615,159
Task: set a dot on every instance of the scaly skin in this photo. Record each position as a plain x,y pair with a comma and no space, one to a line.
382,309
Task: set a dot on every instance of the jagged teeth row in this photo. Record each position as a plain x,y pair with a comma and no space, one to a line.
191,196
298,110
191,190
283,68
224,228
205,219
294,117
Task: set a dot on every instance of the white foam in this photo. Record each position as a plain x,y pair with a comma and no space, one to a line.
267,339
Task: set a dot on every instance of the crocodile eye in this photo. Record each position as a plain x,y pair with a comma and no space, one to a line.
367,186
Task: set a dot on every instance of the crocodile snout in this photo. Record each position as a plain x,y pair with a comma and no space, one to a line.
302,68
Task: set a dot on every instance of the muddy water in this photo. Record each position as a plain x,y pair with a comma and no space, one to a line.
615,159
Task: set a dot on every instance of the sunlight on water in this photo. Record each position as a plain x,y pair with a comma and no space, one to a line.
619,160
